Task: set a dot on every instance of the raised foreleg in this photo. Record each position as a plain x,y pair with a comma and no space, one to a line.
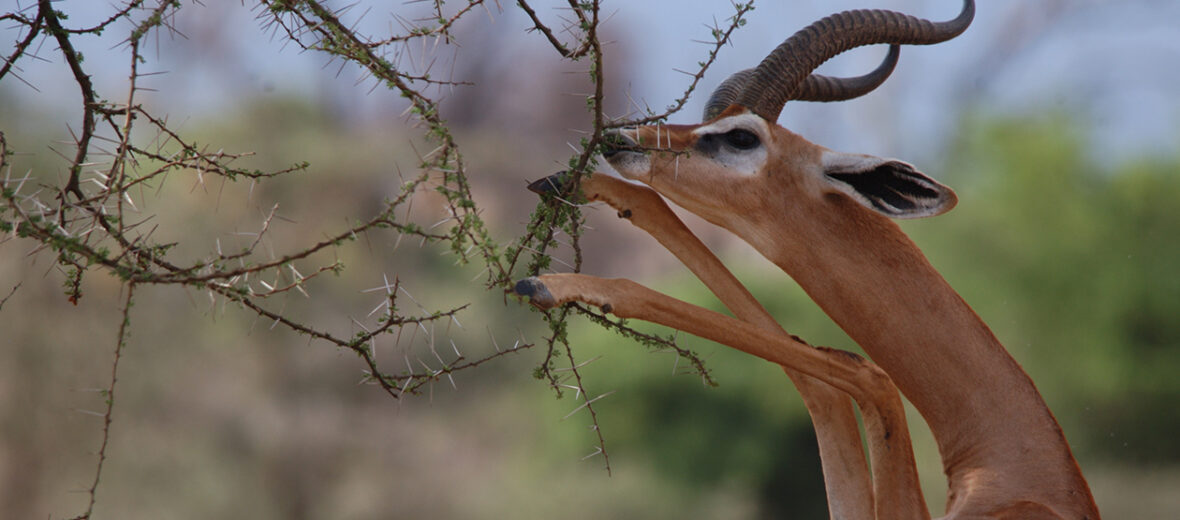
846,474
895,477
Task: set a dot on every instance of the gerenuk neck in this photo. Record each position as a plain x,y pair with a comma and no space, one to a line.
877,285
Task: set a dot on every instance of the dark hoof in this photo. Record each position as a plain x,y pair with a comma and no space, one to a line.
551,185
536,292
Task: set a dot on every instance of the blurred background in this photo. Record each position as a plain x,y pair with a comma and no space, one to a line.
1057,122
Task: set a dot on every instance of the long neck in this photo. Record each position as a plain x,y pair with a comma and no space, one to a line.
878,286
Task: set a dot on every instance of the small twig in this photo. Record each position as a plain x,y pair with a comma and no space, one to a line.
109,393
720,39
50,15
23,45
10,293
588,403
538,25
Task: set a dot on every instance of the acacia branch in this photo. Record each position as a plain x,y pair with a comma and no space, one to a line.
109,394
720,37
50,15
540,26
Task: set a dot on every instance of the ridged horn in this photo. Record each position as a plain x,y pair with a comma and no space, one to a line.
782,75
816,87
726,93
826,88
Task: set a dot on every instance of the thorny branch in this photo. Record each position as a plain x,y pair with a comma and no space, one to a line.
556,215
46,11
564,51
88,220
109,394
720,38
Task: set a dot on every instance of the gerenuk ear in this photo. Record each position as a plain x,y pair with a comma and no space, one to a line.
889,187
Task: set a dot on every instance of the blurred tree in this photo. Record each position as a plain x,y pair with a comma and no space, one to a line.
1074,264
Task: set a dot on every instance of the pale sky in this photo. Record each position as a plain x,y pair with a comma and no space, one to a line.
1112,63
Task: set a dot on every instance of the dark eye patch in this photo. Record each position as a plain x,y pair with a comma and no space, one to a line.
736,139
741,139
